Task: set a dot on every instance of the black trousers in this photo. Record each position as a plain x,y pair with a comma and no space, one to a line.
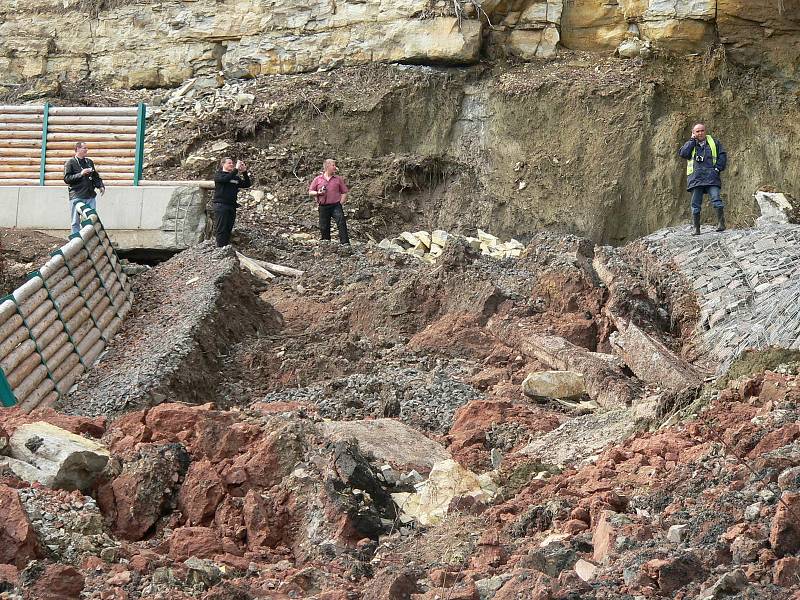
326,211
224,218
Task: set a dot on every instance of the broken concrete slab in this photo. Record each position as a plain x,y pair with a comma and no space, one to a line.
554,384
650,360
580,438
55,457
586,570
391,442
776,209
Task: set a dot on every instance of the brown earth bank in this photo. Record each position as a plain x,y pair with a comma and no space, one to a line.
23,251
577,143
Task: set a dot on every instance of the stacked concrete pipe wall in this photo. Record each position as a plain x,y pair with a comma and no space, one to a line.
55,326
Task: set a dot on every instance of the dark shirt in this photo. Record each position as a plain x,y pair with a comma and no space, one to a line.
81,187
227,185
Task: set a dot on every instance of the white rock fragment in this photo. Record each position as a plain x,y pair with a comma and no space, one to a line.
55,457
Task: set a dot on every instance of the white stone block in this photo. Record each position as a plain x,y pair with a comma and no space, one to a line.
121,208
154,204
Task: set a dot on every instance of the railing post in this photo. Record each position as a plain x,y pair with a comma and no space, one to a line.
44,142
139,157
7,397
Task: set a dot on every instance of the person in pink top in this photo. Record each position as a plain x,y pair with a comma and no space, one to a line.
330,192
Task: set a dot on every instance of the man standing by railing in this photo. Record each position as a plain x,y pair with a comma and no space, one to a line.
82,179
227,182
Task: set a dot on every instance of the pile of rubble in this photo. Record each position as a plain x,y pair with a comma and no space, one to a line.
427,246
188,104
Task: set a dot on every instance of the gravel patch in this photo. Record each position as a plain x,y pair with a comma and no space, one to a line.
425,398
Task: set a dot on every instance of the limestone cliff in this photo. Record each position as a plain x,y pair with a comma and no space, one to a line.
152,43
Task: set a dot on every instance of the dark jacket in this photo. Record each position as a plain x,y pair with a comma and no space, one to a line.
704,172
227,185
81,186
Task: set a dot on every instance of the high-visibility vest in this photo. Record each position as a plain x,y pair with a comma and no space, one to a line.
711,144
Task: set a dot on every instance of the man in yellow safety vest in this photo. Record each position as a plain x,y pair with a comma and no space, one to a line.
706,160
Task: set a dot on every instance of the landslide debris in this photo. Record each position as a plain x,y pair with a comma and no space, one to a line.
269,505
243,420
187,312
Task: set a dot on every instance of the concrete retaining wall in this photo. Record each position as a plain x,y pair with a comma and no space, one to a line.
55,326
159,218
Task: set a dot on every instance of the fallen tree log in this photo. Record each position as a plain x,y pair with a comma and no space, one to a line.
606,382
279,269
255,268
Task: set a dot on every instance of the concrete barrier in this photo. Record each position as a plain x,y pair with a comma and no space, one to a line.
149,218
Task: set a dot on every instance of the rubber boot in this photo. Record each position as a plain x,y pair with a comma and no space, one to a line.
696,222
721,219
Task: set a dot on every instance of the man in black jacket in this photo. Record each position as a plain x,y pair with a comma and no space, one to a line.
227,182
82,179
706,159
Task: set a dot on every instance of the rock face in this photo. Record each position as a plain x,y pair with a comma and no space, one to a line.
762,33
152,45
163,44
55,457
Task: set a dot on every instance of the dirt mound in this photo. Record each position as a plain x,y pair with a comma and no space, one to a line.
186,312
22,251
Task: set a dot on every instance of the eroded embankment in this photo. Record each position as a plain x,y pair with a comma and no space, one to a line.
187,312
575,144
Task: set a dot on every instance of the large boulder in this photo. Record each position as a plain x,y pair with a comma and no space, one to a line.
554,384
55,457
146,488
389,441
784,534
59,582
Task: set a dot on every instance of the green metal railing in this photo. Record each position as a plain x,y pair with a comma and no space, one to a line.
139,157
43,161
